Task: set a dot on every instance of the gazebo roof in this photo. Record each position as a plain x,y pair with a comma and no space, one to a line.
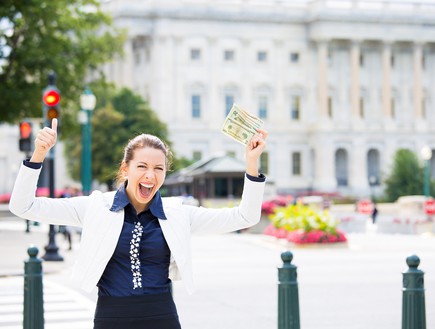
218,164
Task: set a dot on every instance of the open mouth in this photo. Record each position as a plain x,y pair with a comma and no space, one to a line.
145,189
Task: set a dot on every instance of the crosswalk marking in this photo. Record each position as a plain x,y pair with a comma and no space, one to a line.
63,307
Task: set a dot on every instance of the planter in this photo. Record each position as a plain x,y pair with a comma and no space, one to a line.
285,244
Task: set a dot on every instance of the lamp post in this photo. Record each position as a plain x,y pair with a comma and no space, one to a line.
426,153
87,105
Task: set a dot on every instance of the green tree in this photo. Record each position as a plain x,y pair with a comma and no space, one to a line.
406,177
69,37
122,116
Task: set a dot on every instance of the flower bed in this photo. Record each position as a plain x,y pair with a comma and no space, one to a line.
300,224
302,237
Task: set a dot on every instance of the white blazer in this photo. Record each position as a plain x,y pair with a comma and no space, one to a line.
101,227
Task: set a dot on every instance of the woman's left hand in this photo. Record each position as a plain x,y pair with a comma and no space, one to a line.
253,150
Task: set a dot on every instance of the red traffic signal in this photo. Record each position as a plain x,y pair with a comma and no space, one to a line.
25,142
51,97
25,129
51,104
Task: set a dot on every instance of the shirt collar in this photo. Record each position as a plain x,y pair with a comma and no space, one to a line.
121,200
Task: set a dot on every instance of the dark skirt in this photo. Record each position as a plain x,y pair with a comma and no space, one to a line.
136,312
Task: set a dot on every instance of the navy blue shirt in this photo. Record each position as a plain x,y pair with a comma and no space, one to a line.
140,263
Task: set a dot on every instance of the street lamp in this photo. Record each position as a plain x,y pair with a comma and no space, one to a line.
426,153
87,105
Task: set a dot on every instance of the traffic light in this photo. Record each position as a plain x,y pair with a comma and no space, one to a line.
25,142
51,106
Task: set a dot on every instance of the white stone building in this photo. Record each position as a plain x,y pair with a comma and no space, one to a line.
341,85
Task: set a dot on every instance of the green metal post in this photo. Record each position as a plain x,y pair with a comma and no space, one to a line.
413,304
33,315
288,296
86,154
426,178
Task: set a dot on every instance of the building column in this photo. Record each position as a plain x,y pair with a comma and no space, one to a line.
355,54
212,107
322,57
246,96
282,112
127,65
417,83
179,95
158,74
386,78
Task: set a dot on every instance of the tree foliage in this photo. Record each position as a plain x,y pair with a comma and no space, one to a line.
406,177
118,118
69,37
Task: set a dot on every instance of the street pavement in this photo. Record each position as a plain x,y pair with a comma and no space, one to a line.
355,286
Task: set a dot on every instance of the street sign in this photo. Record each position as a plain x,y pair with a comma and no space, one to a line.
429,207
365,207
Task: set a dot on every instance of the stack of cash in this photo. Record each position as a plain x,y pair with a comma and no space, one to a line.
240,125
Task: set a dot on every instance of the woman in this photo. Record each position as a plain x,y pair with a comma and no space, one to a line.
133,241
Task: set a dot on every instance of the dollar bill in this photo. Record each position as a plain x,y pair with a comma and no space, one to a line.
241,125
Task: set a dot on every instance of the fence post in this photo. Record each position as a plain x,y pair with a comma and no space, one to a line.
288,297
413,304
33,313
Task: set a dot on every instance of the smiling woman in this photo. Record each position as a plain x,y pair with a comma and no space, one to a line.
143,169
134,242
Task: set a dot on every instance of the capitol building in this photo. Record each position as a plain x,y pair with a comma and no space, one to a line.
340,85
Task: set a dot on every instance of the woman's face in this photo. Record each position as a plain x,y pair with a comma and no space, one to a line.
145,174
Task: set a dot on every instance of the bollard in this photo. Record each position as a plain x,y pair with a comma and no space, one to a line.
33,314
288,296
413,305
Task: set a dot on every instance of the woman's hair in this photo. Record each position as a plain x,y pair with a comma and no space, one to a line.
142,141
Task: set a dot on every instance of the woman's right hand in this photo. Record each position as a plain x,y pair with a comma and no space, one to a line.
44,141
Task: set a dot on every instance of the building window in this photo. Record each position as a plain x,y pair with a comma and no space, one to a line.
262,107
294,57
341,167
196,106
330,107
195,54
264,163
262,56
361,107
229,55
296,164
196,155
295,107
229,101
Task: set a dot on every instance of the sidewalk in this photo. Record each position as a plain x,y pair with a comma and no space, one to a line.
64,307
353,287
15,241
